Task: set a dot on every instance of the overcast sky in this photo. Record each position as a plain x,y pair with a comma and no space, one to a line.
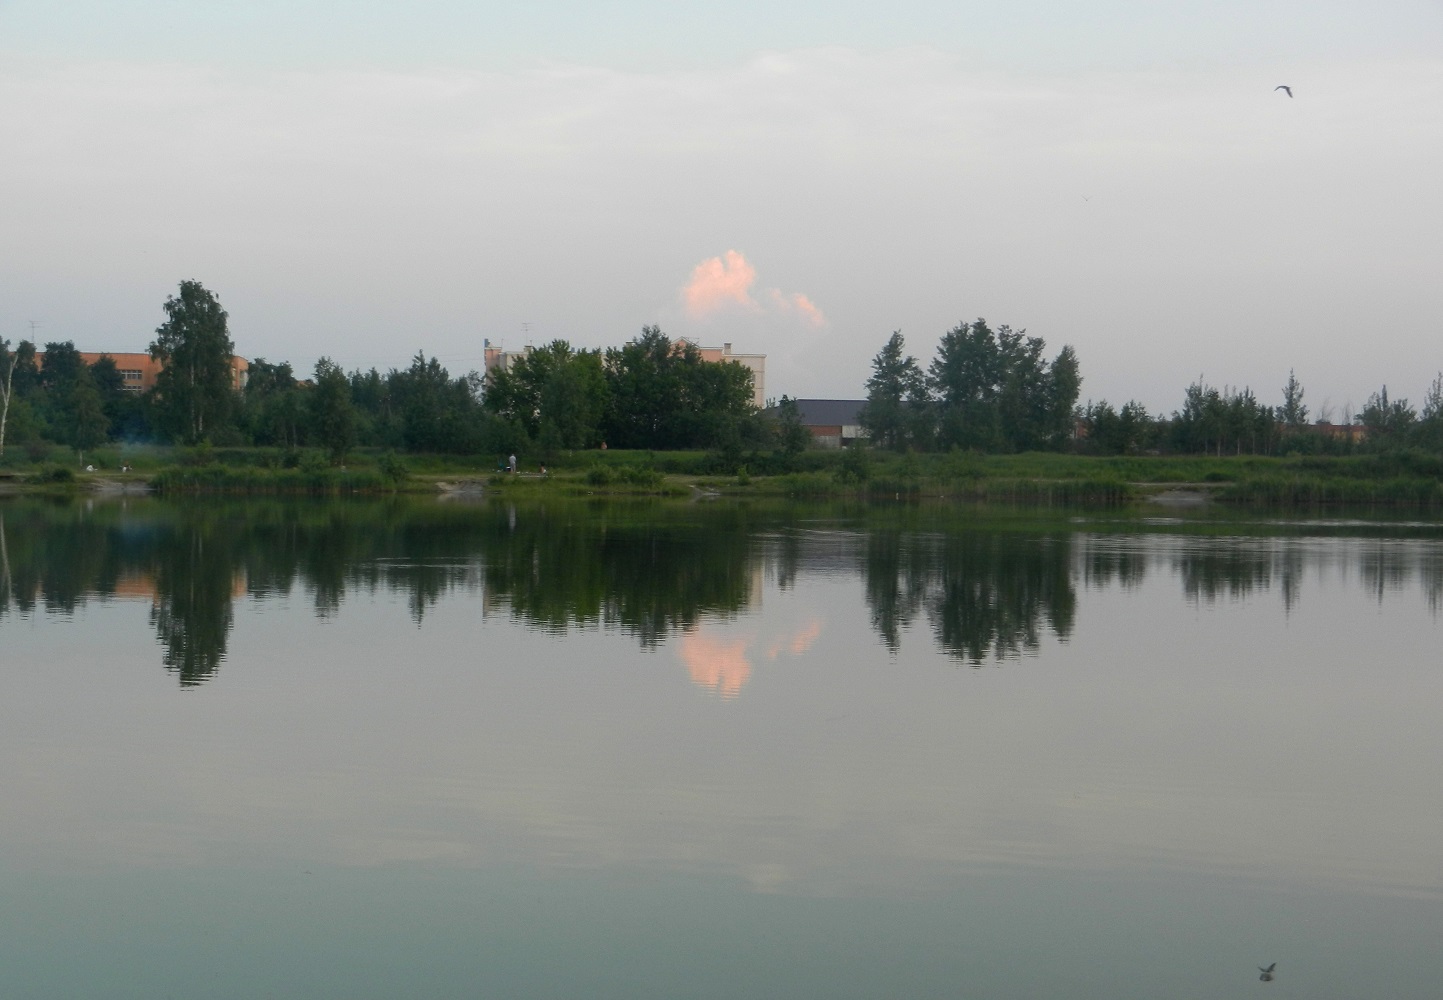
366,181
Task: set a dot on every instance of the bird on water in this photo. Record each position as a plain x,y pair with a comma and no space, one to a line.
1285,88
1267,974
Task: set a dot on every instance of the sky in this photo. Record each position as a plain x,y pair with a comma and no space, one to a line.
363,182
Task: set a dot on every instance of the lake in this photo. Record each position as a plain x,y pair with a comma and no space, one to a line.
715,750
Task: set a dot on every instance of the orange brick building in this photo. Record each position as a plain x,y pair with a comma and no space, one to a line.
757,363
138,372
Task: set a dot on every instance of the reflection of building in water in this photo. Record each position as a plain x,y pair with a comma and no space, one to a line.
141,587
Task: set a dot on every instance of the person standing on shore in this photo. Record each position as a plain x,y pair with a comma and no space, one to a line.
513,463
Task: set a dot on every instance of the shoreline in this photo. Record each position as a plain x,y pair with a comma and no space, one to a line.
1407,481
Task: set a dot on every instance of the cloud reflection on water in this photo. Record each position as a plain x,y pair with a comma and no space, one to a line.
721,663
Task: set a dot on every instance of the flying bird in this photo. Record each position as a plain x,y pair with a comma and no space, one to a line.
1284,87
1267,974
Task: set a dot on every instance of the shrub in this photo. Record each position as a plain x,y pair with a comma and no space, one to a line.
202,454
806,484
856,466
393,468
640,475
54,474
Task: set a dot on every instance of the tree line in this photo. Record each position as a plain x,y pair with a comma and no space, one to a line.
994,391
651,393
986,390
1233,421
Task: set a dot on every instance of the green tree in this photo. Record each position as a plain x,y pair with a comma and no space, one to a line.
1064,385
995,390
662,394
437,413
644,391
1229,419
1433,400
272,409
377,422
573,400
1023,396
84,421
1198,426
1293,414
127,412
896,397
1117,432
195,389
26,396
557,394
1429,432
1389,422
792,437
63,366
333,418
965,379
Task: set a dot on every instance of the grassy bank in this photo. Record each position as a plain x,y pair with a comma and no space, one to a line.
1409,479
218,478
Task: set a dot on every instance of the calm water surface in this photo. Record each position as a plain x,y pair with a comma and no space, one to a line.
484,750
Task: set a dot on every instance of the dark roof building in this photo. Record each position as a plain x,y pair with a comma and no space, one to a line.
833,423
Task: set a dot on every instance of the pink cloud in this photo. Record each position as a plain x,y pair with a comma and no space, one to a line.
800,305
718,282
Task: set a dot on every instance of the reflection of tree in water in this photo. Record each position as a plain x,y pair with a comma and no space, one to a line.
195,566
7,579
648,571
987,594
898,574
53,555
1211,570
997,591
1101,561
1382,570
